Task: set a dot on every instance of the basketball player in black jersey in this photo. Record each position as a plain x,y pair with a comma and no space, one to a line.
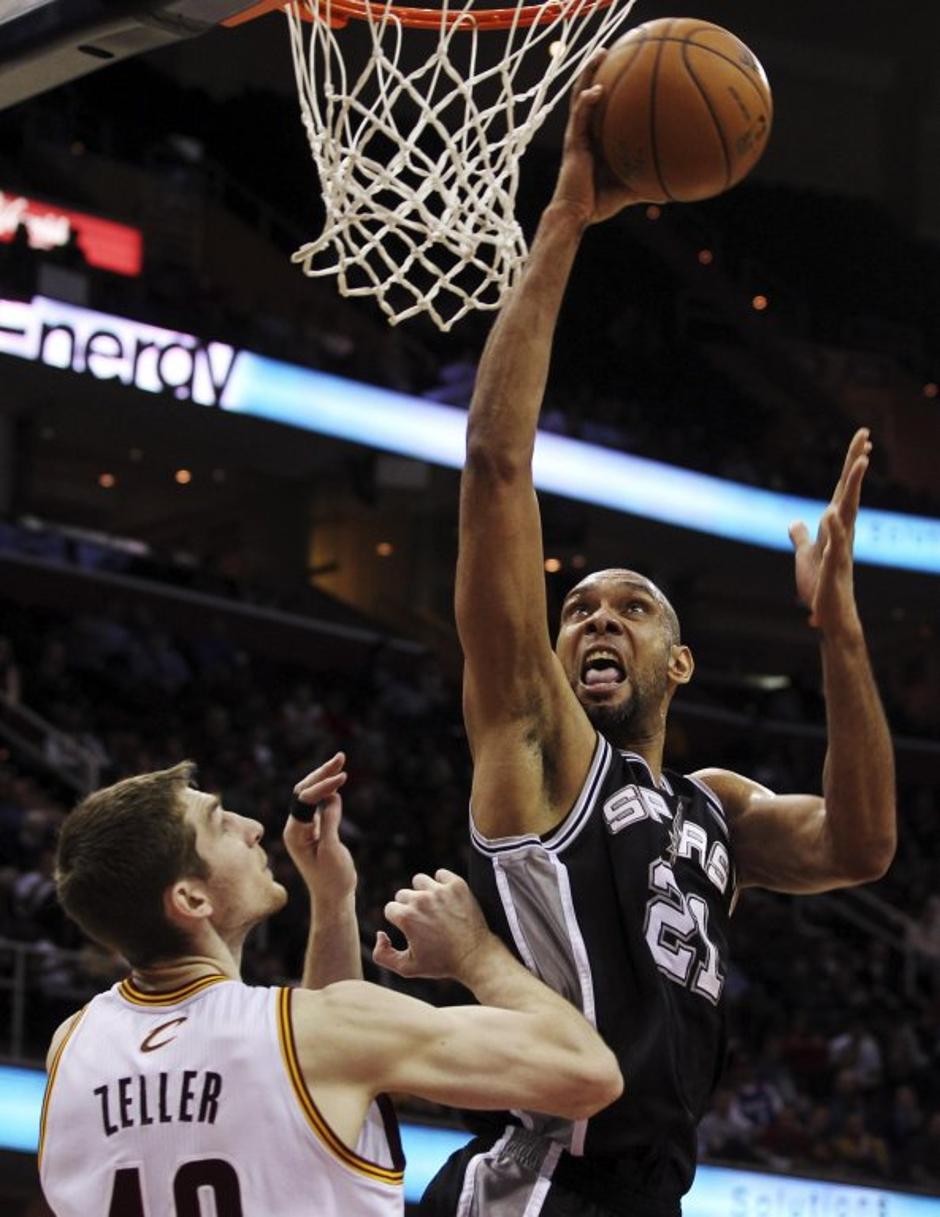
613,879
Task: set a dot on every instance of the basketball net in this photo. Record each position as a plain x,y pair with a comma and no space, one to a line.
419,164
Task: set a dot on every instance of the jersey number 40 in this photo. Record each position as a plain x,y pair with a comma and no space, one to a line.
127,1199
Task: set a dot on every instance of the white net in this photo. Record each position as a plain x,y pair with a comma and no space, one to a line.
418,153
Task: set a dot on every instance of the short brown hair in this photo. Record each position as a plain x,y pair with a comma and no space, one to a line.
119,850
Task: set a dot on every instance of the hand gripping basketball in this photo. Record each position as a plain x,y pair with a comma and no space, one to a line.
584,184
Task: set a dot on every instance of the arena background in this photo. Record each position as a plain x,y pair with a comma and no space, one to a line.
228,532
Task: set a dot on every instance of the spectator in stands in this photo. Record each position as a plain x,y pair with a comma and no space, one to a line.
925,1155
858,1149
903,1127
725,1132
856,1051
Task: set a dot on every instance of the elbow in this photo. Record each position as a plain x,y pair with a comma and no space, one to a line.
598,1083
873,862
881,858
490,459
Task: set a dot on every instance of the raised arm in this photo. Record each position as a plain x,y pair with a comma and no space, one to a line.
523,1047
807,843
333,948
512,677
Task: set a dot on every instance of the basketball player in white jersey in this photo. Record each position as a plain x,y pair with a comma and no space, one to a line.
182,1091
613,878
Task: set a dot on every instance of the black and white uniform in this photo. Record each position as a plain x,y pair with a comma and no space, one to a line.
624,909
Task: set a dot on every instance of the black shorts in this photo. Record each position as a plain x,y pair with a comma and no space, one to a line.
518,1173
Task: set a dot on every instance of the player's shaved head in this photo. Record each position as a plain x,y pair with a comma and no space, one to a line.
620,575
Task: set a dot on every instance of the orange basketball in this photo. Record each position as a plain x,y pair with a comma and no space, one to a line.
686,110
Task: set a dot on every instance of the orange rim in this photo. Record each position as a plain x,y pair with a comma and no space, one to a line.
341,11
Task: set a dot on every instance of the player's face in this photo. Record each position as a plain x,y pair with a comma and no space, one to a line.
241,887
616,647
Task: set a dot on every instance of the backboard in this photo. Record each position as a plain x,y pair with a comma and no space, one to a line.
45,43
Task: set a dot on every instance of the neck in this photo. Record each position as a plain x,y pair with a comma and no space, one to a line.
650,748
176,973
646,740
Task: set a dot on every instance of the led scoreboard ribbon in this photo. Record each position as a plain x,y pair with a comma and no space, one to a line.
214,374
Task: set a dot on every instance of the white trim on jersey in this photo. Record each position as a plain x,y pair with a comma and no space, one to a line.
569,828
540,1191
712,802
465,1203
585,979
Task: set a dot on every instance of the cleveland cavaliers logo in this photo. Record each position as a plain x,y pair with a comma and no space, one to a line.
151,1043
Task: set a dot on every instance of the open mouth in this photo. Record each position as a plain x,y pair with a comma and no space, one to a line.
602,670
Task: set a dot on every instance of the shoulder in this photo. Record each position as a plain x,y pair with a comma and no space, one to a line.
348,1031
62,1033
733,791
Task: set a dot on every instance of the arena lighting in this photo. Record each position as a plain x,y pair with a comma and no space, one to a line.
718,1191
214,374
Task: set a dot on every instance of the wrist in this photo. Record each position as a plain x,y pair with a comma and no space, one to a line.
475,968
566,215
846,635
332,911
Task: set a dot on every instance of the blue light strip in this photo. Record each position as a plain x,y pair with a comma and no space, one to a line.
21,1092
718,1191
379,418
216,375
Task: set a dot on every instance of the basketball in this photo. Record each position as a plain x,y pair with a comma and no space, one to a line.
685,112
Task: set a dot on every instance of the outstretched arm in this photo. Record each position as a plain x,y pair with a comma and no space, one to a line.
511,674
523,1047
325,864
804,843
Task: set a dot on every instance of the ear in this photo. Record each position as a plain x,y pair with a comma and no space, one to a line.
681,665
186,902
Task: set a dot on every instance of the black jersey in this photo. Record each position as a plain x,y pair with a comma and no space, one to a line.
624,909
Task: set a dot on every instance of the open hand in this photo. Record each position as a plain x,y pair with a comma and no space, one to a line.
584,182
324,862
824,567
442,922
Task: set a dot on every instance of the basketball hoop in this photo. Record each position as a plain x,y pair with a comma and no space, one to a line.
418,150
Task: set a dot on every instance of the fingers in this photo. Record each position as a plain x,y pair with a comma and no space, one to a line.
581,111
318,786
326,772
586,78
860,445
799,534
584,97
329,818
852,491
385,955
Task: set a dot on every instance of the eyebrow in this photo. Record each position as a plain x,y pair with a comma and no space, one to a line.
623,584
213,807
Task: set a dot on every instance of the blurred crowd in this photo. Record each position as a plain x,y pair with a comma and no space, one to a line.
835,1042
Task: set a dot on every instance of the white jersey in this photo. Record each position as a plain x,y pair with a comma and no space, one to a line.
192,1104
